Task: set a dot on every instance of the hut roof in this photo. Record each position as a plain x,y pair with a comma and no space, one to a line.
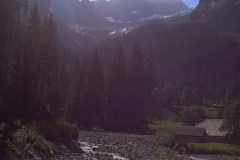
189,131
213,127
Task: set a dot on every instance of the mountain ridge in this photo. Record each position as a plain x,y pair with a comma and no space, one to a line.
95,13
219,14
192,52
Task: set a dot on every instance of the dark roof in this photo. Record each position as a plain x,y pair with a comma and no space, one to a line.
189,131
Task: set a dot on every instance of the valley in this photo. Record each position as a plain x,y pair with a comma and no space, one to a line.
119,79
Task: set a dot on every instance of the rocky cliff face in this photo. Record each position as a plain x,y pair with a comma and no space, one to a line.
206,7
221,15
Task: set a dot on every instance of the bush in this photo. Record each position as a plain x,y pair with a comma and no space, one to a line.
28,138
171,142
193,114
67,130
59,131
232,122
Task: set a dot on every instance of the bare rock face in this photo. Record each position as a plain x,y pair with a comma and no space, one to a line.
206,7
221,15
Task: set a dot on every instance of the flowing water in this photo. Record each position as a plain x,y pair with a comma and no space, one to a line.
90,150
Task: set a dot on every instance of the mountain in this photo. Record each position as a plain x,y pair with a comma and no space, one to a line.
120,11
220,14
201,52
83,23
103,19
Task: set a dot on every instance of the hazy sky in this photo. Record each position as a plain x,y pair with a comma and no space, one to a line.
188,2
191,2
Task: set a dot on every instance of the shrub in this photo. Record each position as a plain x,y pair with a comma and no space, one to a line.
28,138
232,122
59,131
193,115
67,130
170,142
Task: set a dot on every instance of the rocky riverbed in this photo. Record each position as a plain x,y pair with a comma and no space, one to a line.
99,145
117,146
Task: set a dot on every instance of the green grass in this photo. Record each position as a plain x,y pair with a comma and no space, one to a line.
217,148
163,128
170,115
212,112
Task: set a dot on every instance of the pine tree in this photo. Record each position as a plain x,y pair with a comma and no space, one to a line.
48,60
168,95
80,73
11,46
137,109
187,96
94,95
116,109
30,67
49,49
150,83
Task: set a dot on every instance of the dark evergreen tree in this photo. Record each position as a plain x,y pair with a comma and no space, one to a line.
197,96
80,73
168,95
64,82
48,61
187,96
94,95
137,93
116,107
150,84
30,67
11,46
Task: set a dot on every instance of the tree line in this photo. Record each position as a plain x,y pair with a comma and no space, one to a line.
29,79
42,81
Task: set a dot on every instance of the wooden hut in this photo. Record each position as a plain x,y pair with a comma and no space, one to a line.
190,134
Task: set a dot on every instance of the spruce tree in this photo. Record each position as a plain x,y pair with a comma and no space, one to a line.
150,83
94,95
187,96
80,73
47,98
30,69
137,109
116,109
11,46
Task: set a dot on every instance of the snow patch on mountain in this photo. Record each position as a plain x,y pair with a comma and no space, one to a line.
158,16
155,16
112,20
135,12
